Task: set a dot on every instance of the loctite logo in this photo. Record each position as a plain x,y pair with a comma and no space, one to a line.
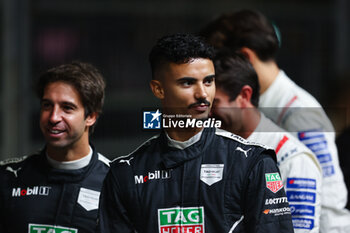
277,200
156,175
36,190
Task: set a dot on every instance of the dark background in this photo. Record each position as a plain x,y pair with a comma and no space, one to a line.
116,36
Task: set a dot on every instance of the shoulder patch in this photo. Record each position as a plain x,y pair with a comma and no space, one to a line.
239,139
103,159
147,142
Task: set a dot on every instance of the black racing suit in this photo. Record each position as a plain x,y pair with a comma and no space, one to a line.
222,183
34,197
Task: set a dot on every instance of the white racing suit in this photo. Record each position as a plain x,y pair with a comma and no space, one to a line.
301,174
295,110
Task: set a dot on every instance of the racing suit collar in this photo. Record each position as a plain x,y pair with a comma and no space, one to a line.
173,157
68,176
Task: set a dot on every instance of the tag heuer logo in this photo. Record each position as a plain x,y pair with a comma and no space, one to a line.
39,228
273,182
178,219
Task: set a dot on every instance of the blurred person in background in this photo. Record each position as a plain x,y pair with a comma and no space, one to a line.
287,104
192,179
57,189
235,104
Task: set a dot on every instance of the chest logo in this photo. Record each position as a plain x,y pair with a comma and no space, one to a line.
211,173
178,219
10,169
273,182
245,152
126,161
36,190
40,228
88,199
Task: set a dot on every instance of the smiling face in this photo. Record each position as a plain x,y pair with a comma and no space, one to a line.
186,88
62,119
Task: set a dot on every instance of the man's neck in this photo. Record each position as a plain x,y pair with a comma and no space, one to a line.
68,154
267,73
182,135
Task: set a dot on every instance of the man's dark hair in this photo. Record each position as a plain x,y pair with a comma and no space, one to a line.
179,49
84,77
245,28
232,72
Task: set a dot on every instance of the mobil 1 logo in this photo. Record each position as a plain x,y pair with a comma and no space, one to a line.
178,219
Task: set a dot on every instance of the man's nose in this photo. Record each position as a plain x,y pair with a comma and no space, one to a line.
201,92
55,115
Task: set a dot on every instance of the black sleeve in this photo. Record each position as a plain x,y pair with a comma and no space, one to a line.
265,203
113,216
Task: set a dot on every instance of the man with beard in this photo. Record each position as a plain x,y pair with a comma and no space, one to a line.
57,189
236,101
192,179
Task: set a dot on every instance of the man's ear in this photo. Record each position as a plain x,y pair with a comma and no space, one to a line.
91,119
249,54
245,96
157,88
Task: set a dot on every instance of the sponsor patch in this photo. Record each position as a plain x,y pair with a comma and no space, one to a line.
88,199
302,210
211,173
156,175
328,170
275,201
301,183
39,228
31,191
296,196
273,182
324,158
310,134
277,211
316,147
316,141
178,220
303,223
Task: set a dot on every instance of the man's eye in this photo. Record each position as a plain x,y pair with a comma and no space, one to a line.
209,81
68,108
186,83
45,105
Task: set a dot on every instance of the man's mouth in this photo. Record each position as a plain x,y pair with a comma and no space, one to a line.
55,132
201,107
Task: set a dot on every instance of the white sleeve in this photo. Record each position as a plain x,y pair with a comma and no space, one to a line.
302,178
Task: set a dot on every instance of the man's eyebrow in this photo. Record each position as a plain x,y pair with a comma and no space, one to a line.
63,103
184,79
69,103
212,76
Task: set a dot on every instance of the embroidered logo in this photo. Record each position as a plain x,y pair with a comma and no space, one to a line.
126,161
10,169
245,152
178,219
273,182
211,173
40,228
